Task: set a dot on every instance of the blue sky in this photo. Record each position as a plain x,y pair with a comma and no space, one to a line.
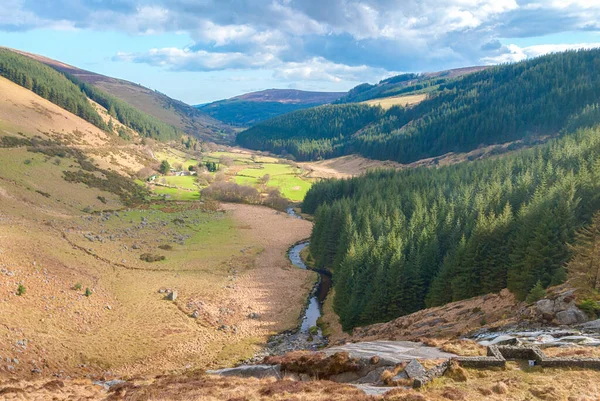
203,50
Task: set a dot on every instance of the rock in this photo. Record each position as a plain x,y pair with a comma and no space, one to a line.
36,371
254,316
578,339
501,340
572,315
373,377
257,371
172,296
593,325
196,314
10,368
544,338
414,369
108,307
108,384
545,306
15,361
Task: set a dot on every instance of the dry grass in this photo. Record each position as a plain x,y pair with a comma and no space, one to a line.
404,101
440,324
580,352
516,382
464,348
344,167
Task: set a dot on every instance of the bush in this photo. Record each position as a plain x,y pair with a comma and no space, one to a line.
150,258
231,192
166,247
590,307
537,292
28,161
77,286
88,292
21,290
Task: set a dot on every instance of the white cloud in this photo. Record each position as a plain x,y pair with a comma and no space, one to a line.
513,53
330,40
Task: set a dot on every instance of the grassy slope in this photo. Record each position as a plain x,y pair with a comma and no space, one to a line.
126,325
174,112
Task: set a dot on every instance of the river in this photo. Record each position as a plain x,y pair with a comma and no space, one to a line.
303,338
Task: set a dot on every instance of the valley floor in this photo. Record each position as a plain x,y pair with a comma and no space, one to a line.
229,267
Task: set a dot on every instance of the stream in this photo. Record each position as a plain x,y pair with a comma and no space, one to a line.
301,338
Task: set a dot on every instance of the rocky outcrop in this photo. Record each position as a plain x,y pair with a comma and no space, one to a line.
561,309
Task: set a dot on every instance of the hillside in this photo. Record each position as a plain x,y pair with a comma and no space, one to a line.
170,111
398,241
81,292
254,107
404,83
493,106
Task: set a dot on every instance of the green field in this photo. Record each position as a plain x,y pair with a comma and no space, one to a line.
185,182
174,157
282,176
177,194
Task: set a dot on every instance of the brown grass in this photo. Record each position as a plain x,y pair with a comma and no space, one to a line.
581,352
464,347
404,101
516,382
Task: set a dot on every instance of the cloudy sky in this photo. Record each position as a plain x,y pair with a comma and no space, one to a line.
204,50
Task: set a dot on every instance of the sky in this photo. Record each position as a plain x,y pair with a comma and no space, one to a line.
204,50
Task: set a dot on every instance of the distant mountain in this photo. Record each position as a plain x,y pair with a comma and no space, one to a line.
254,107
174,112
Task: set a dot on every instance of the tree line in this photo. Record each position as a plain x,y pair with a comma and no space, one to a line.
400,241
71,94
497,105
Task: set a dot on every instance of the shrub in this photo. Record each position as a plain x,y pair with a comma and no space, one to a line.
165,167
537,292
28,161
102,199
21,290
166,247
88,292
77,286
231,192
590,307
150,258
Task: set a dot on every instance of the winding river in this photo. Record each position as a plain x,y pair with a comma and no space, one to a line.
313,310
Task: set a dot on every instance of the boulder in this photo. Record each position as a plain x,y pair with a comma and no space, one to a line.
257,371
172,296
414,369
545,306
572,315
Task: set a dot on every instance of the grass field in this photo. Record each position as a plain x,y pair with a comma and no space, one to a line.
185,182
177,194
404,101
246,169
282,176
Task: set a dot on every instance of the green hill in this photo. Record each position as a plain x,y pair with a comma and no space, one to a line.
159,106
398,242
71,94
495,105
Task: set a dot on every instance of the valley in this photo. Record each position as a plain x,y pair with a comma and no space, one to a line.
430,237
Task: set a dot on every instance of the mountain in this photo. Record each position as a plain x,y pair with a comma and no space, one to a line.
404,83
254,107
173,112
492,106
